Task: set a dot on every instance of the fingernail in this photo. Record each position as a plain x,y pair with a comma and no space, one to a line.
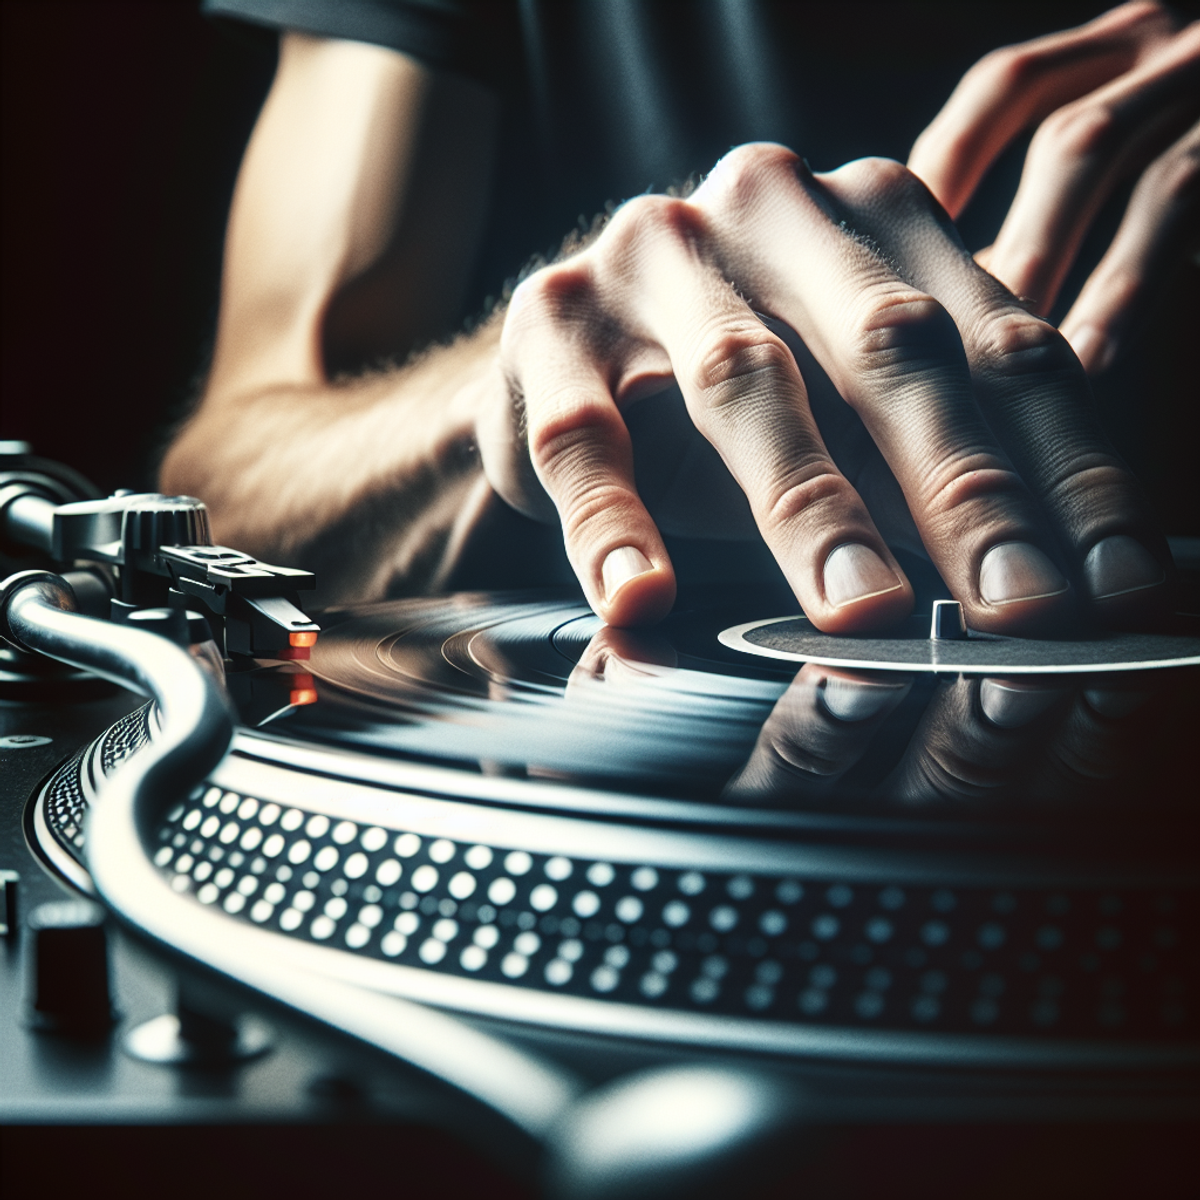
1120,564
1017,571
623,564
854,572
1011,707
849,700
1092,348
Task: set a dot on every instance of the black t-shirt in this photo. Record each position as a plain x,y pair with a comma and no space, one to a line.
604,99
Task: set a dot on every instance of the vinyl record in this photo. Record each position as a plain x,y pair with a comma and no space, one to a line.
496,804
536,687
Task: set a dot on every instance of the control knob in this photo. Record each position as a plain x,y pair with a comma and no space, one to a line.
69,991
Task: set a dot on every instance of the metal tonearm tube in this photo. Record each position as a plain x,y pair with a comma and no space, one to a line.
654,1134
196,729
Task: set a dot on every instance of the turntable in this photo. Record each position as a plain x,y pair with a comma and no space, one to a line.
784,879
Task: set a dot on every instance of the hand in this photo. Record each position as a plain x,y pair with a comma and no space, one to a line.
819,728
980,742
1116,98
1030,742
964,414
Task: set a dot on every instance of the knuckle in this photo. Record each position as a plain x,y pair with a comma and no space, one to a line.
1093,482
1008,69
806,488
742,177
883,180
649,219
975,480
561,294
899,327
594,504
1015,342
736,362
567,439
1082,130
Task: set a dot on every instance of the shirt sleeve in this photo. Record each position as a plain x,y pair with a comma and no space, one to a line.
440,33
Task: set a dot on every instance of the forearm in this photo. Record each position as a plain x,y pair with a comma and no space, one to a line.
367,482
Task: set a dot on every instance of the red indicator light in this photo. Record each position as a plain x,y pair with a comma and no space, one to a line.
304,638
303,690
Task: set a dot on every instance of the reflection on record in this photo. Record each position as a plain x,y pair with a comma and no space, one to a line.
536,687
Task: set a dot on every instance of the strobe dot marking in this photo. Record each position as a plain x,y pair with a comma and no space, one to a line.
374,839
326,858
478,858
723,918
388,872
1020,962
424,878
518,863
558,972
502,890
462,885
558,868
514,965
356,866
299,852
527,943
600,874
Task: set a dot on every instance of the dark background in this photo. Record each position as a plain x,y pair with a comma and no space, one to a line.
123,125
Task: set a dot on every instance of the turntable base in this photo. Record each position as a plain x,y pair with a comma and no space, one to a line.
498,806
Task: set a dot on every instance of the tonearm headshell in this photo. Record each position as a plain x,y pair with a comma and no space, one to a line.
139,550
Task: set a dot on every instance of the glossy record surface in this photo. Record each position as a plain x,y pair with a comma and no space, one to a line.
535,687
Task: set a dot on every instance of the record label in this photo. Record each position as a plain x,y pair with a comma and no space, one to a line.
796,639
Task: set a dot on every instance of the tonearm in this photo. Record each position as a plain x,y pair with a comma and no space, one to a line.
137,550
